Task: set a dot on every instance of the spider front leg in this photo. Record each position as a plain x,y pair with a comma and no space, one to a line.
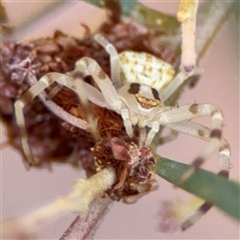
37,90
114,60
189,112
187,13
88,66
196,130
155,126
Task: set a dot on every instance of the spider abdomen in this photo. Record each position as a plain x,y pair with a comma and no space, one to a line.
144,68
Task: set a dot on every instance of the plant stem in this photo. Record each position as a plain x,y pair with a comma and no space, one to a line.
83,194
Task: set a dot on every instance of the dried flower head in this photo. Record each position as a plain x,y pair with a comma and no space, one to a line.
132,164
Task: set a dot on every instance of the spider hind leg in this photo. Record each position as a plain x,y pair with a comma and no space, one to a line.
202,132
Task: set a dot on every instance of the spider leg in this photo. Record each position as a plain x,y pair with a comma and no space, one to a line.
189,112
187,16
114,60
173,86
168,138
199,131
54,91
187,12
127,121
86,93
91,119
151,134
142,136
179,79
37,90
89,66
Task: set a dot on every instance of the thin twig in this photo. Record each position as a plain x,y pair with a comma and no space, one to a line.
83,194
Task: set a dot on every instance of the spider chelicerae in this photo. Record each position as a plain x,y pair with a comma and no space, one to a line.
137,89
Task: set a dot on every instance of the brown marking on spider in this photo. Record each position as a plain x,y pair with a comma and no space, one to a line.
205,207
200,211
224,147
102,75
134,88
194,108
197,162
26,97
201,133
77,75
216,133
188,68
224,173
187,224
155,94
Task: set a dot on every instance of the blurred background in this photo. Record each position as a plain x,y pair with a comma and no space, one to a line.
24,191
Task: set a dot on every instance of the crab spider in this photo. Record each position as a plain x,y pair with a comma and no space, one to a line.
139,88
140,84
139,99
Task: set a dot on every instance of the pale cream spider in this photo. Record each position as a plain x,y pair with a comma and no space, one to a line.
139,85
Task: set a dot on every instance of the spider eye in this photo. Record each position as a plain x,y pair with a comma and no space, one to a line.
134,88
155,94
